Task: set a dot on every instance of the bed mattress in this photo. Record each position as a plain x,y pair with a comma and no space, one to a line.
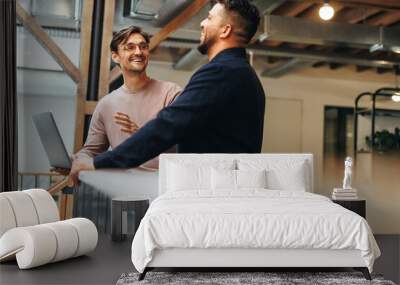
250,219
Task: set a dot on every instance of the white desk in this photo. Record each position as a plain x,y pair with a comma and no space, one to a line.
123,183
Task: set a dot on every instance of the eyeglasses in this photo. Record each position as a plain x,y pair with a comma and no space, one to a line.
143,46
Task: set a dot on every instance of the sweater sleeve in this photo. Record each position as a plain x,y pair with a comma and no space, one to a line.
172,93
97,140
196,107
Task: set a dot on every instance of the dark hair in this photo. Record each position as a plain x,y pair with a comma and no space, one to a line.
245,14
122,36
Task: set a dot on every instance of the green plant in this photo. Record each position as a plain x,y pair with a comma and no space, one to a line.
385,140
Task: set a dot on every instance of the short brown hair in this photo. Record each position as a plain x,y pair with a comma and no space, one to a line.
246,14
122,36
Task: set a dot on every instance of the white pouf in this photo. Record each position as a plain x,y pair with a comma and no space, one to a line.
23,209
26,208
7,218
31,232
37,245
45,206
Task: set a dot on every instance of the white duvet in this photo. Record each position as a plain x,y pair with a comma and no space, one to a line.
250,219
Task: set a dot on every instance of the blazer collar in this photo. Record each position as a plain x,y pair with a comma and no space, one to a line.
230,52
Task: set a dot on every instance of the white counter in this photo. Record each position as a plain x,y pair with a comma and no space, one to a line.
123,183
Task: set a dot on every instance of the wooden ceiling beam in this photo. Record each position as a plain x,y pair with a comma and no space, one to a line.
388,4
335,66
177,22
381,70
289,9
47,43
361,68
169,28
353,15
343,15
384,19
352,12
312,14
292,9
318,64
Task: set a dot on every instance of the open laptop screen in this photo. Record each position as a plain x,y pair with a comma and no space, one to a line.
51,140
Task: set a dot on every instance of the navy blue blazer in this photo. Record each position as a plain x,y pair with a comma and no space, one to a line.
221,110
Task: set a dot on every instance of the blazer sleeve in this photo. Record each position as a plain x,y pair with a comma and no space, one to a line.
197,106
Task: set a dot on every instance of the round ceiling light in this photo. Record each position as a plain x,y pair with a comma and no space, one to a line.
326,12
396,97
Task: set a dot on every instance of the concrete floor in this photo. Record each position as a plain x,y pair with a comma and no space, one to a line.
110,260
102,266
389,262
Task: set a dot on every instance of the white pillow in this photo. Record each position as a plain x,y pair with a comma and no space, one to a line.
225,179
293,175
187,176
251,178
183,178
292,179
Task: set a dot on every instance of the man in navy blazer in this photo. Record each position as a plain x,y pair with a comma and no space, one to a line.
221,110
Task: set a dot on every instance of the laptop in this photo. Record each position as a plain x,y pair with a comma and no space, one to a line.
51,140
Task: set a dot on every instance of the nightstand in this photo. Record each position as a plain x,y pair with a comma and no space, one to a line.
357,206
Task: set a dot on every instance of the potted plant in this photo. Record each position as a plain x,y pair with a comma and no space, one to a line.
385,140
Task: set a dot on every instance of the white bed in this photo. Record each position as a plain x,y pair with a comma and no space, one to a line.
193,225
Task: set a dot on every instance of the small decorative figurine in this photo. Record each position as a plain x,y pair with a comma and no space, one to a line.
348,163
347,192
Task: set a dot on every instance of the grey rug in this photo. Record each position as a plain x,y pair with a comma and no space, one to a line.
243,278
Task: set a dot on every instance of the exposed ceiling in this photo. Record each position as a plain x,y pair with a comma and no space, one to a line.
291,36
345,40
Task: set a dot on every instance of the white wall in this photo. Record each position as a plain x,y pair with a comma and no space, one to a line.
288,115
42,86
63,109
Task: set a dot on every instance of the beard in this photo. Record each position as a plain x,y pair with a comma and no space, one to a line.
204,46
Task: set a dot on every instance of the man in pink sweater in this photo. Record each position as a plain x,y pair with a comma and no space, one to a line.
122,112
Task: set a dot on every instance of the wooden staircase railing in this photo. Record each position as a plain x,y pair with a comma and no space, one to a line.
55,189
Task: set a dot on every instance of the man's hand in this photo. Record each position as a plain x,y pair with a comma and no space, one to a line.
61,171
127,125
83,163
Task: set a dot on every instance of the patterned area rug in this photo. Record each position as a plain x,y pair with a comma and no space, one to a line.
244,278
